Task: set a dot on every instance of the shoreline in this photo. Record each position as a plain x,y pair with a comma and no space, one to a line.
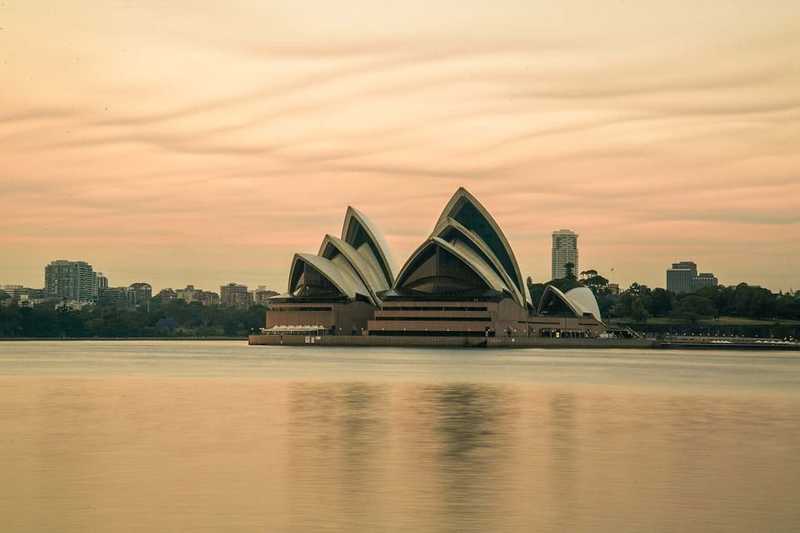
512,343
73,339
447,342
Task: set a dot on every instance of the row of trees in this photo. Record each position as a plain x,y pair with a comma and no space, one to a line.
743,301
177,318
639,302
163,319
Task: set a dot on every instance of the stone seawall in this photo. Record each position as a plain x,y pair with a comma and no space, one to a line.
465,342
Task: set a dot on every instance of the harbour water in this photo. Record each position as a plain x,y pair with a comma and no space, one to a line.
221,436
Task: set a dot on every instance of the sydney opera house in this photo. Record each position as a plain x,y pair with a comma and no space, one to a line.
462,281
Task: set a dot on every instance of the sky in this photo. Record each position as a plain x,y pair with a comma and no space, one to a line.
203,142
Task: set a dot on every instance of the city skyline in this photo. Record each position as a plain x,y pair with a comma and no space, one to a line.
692,276
161,145
257,283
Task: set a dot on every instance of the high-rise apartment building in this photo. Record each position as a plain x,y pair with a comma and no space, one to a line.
705,279
262,295
235,295
23,296
208,298
190,294
565,250
114,296
13,291
139,295
683,277
131,297
166,295
71,280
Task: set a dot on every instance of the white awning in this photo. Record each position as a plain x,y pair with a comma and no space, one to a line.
293,329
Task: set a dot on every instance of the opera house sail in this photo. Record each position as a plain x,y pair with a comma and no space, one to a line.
464,210
463,280
575,311
337,290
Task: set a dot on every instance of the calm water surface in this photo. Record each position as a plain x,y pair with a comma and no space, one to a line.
221,436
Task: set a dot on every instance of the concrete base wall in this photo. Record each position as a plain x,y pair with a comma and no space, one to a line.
472,342
345,317
539,324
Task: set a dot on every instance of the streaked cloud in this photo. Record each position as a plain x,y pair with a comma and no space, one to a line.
216,139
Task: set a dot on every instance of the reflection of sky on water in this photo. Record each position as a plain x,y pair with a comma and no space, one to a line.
195,442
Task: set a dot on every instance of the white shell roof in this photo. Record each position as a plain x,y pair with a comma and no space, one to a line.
551,291
583,298
465,254
448,212
366,271
385,261
580,300
482,246
476,262
346,282
368,268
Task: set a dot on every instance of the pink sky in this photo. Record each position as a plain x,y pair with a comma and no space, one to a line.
190,142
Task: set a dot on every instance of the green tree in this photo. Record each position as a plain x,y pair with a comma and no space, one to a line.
569,281
660,302
638,311
597,283
569,270
693,307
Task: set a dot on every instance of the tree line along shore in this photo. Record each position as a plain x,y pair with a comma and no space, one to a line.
169,319
740,310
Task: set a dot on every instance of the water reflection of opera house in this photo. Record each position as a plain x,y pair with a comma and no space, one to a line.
462,281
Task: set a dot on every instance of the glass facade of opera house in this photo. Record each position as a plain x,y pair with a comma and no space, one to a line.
462,281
